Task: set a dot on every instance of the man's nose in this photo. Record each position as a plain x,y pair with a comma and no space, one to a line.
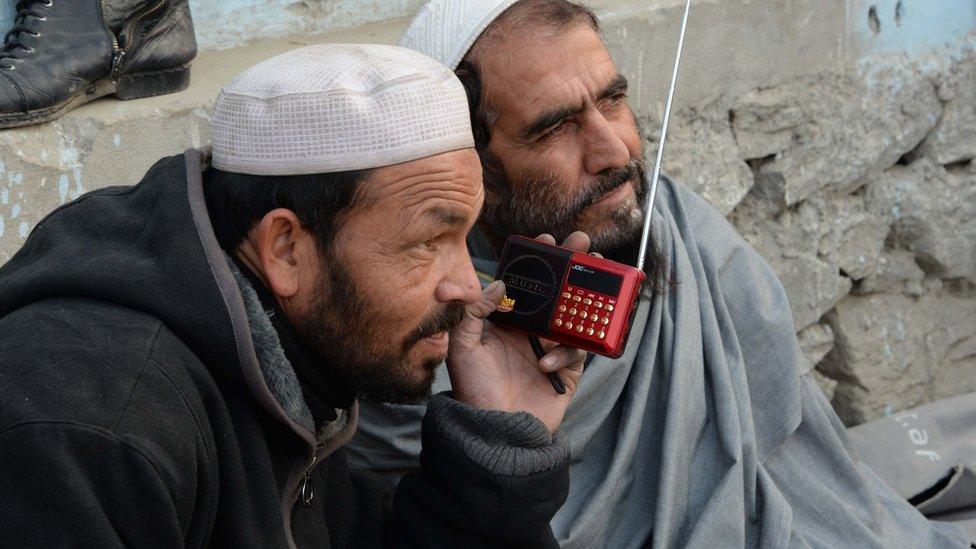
460,282
603,148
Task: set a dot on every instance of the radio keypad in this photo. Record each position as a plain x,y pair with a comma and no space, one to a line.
581,311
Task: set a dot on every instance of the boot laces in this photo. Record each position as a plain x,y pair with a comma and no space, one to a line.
24,23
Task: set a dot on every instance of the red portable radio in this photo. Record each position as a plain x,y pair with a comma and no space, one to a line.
574,298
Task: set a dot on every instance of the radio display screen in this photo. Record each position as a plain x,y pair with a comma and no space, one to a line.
597,281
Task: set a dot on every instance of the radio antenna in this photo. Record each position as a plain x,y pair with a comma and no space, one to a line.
649,205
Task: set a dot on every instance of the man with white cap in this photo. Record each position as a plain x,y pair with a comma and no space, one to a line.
709,431
180,360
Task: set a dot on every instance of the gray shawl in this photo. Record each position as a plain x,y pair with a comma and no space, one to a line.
709,431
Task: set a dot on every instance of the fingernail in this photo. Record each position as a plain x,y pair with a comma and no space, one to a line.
549,361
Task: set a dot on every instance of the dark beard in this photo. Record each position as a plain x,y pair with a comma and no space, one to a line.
345,329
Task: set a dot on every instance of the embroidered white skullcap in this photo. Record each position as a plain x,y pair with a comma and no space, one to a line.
446,29
337,107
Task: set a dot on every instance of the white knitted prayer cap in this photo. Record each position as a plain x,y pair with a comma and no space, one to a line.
446,29
337,107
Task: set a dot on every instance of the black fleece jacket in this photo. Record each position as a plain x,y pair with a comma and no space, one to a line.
135,409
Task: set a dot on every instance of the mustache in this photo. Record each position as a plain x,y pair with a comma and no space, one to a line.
610,182
444,320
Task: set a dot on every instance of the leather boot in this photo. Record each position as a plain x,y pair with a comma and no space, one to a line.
63,53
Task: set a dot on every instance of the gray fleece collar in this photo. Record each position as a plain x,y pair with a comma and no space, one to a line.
275,367
277,371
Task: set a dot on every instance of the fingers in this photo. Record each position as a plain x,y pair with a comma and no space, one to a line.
577,241
468,332
546,239
562,357
490,297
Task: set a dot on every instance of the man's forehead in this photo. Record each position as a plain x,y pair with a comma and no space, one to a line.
429,183
531,73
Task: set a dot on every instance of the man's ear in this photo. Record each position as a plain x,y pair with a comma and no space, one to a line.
284,250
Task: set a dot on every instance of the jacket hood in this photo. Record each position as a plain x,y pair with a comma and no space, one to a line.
151,248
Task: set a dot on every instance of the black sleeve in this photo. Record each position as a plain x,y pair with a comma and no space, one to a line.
67,484
487,479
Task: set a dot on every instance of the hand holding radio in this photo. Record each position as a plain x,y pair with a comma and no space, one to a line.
495,368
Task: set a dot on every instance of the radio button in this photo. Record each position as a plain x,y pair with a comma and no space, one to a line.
573,311
569,325
589,331
562,308
598,304
579,327
605,321
583,314
609,307
566,295
587,302
593,318
577,298
601,335
557,322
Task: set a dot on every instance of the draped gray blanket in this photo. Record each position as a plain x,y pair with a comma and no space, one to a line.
709,431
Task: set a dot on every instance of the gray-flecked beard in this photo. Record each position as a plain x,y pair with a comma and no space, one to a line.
538,204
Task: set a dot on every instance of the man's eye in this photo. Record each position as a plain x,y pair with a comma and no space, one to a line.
614,100
554,131
428,245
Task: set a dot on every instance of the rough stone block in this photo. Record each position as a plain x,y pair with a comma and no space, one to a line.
827,385
851,124
816,248
764,122
934,215
816,341
954,138
891,352
720,176
896,273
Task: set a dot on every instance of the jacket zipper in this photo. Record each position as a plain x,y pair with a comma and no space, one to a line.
299,485
115,43
118,53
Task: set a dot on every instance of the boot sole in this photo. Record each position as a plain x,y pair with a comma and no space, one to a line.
129,86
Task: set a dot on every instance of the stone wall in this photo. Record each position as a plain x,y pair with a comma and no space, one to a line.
837,136
861,192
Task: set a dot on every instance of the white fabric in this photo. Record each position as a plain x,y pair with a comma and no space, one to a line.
446,29
337,107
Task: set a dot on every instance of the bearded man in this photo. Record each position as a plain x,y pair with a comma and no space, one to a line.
180,360
709,431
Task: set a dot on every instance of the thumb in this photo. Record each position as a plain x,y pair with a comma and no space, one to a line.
468,332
